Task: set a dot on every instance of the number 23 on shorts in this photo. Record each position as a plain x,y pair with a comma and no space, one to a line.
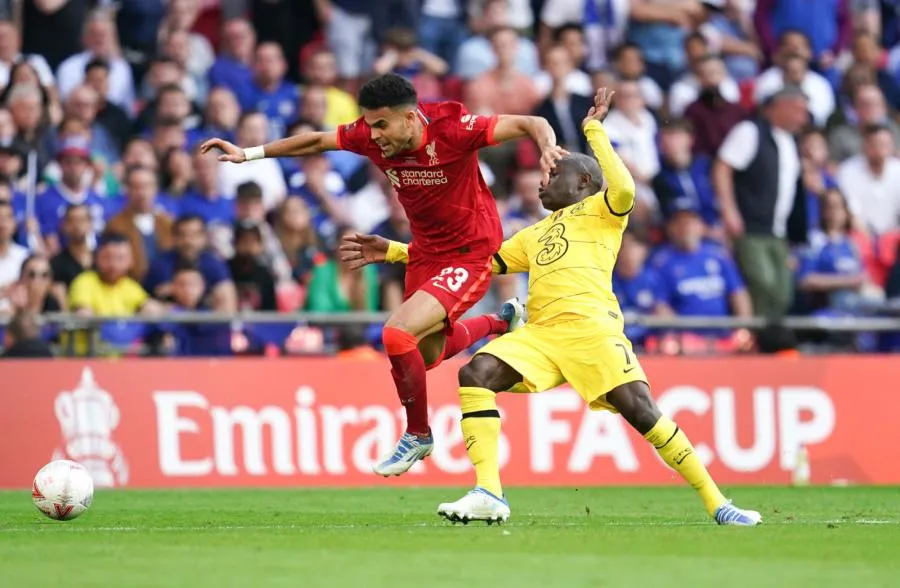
451,278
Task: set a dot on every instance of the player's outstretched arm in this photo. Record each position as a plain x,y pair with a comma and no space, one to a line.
510,127
619,182
358,251
302,144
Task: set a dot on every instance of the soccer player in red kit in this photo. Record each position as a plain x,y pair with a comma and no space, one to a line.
429,154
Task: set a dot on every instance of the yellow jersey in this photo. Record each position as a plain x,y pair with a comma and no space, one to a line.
123,298
570,255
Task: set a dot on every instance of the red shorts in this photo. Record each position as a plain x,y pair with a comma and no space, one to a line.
457,284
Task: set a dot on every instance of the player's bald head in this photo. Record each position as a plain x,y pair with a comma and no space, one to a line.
584,165
576,177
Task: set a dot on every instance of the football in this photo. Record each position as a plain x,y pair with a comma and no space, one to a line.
62,490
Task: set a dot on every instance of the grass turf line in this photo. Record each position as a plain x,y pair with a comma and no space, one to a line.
392,537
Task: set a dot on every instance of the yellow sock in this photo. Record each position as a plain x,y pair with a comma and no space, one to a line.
676,450
481,432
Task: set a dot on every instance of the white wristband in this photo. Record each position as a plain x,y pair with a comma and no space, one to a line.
252,153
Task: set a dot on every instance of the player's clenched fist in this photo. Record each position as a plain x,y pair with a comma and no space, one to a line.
360,250
230,152
602,102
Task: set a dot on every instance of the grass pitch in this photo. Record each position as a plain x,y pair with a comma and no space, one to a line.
595,537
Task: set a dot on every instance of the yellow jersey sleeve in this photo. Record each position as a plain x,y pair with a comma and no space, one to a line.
619,195
512,257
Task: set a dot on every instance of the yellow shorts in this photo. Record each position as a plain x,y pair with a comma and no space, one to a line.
588,355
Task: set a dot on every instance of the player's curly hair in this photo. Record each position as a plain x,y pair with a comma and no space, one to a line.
389,90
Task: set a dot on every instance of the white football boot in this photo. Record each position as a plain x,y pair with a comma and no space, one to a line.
477,505
729,514
513,312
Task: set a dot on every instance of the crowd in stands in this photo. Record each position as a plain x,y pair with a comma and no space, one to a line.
762,135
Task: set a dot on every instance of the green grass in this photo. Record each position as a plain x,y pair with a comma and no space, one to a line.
593,537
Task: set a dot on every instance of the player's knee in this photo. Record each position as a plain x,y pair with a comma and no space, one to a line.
478,373
634,403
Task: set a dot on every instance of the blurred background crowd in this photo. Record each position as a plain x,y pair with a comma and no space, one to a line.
762,136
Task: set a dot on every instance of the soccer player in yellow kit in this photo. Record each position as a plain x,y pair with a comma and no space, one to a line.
575,329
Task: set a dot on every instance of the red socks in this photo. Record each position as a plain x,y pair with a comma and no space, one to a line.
408,371
466,332
408,366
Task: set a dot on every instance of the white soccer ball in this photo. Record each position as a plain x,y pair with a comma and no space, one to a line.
62,490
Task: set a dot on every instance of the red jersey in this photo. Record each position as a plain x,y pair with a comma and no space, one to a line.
451,210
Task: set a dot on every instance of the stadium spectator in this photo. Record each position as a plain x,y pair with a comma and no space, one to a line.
109,115
476,57
441,27
147,228
792,68
831,274
232,67
696,278
818,174
659,28
165,71
684,177
392,275
402,55
632,131
99,41
253,280
22,338
562,107
756,179
221,114
191,49
871,182
253,130
629,64
76,255
107,290
175,46
711,115
82,105
687,88
249,207
11,54
321,71
199,339
605,25
139,152
177,175
270,93
868,52
728,30
868,108
575,81
203,198
368,206
31,122
191,247
74,161
53,29
635,284
349,27
828,26
35,291
314,106
502,89
334,288
12,255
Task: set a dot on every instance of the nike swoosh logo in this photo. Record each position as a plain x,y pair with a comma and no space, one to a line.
626,370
